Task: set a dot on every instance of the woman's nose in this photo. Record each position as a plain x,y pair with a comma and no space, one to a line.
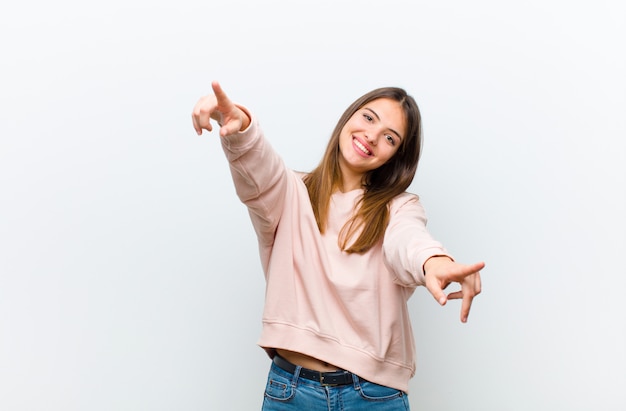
371,138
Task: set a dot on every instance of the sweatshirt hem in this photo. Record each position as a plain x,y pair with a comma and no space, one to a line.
354,359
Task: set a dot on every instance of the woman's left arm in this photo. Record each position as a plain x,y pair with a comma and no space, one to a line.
416,258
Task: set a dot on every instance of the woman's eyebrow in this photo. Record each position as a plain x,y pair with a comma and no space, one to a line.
378,117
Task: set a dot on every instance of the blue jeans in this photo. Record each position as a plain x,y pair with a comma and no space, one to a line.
285,391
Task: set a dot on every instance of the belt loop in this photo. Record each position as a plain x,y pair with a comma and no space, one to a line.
356,381
296,375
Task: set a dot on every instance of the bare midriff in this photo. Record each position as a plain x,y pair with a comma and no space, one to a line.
306,361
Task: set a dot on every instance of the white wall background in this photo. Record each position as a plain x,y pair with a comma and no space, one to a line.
129,275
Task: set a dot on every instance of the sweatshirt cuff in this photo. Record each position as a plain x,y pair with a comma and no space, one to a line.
244,139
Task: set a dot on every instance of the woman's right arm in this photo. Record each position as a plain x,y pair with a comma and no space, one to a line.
259,174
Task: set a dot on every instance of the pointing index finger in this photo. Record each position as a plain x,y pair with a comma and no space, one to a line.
222,98
466,270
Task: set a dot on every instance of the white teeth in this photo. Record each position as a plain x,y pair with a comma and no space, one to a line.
362,147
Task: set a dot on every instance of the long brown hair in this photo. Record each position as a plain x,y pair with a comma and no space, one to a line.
380,185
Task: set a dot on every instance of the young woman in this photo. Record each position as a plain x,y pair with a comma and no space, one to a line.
342,248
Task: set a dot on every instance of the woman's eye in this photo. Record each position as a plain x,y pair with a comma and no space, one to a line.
391,140
368,117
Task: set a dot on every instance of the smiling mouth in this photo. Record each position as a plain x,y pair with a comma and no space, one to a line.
361,147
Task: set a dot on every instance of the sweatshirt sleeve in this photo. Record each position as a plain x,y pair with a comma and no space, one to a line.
260,177
407,243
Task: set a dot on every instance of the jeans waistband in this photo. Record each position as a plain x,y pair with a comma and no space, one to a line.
325,378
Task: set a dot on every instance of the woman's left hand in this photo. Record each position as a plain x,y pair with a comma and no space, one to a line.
441,271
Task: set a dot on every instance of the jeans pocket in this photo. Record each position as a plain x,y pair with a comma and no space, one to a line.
375,392
278,387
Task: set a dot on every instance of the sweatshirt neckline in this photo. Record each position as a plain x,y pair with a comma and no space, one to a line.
348,193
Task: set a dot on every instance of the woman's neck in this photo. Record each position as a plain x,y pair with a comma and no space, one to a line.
350,183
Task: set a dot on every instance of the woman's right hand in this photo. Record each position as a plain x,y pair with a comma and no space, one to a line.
220,108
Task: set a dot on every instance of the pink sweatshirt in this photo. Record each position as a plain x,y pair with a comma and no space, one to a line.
349,310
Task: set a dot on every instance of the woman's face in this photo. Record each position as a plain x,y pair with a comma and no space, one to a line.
371,137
